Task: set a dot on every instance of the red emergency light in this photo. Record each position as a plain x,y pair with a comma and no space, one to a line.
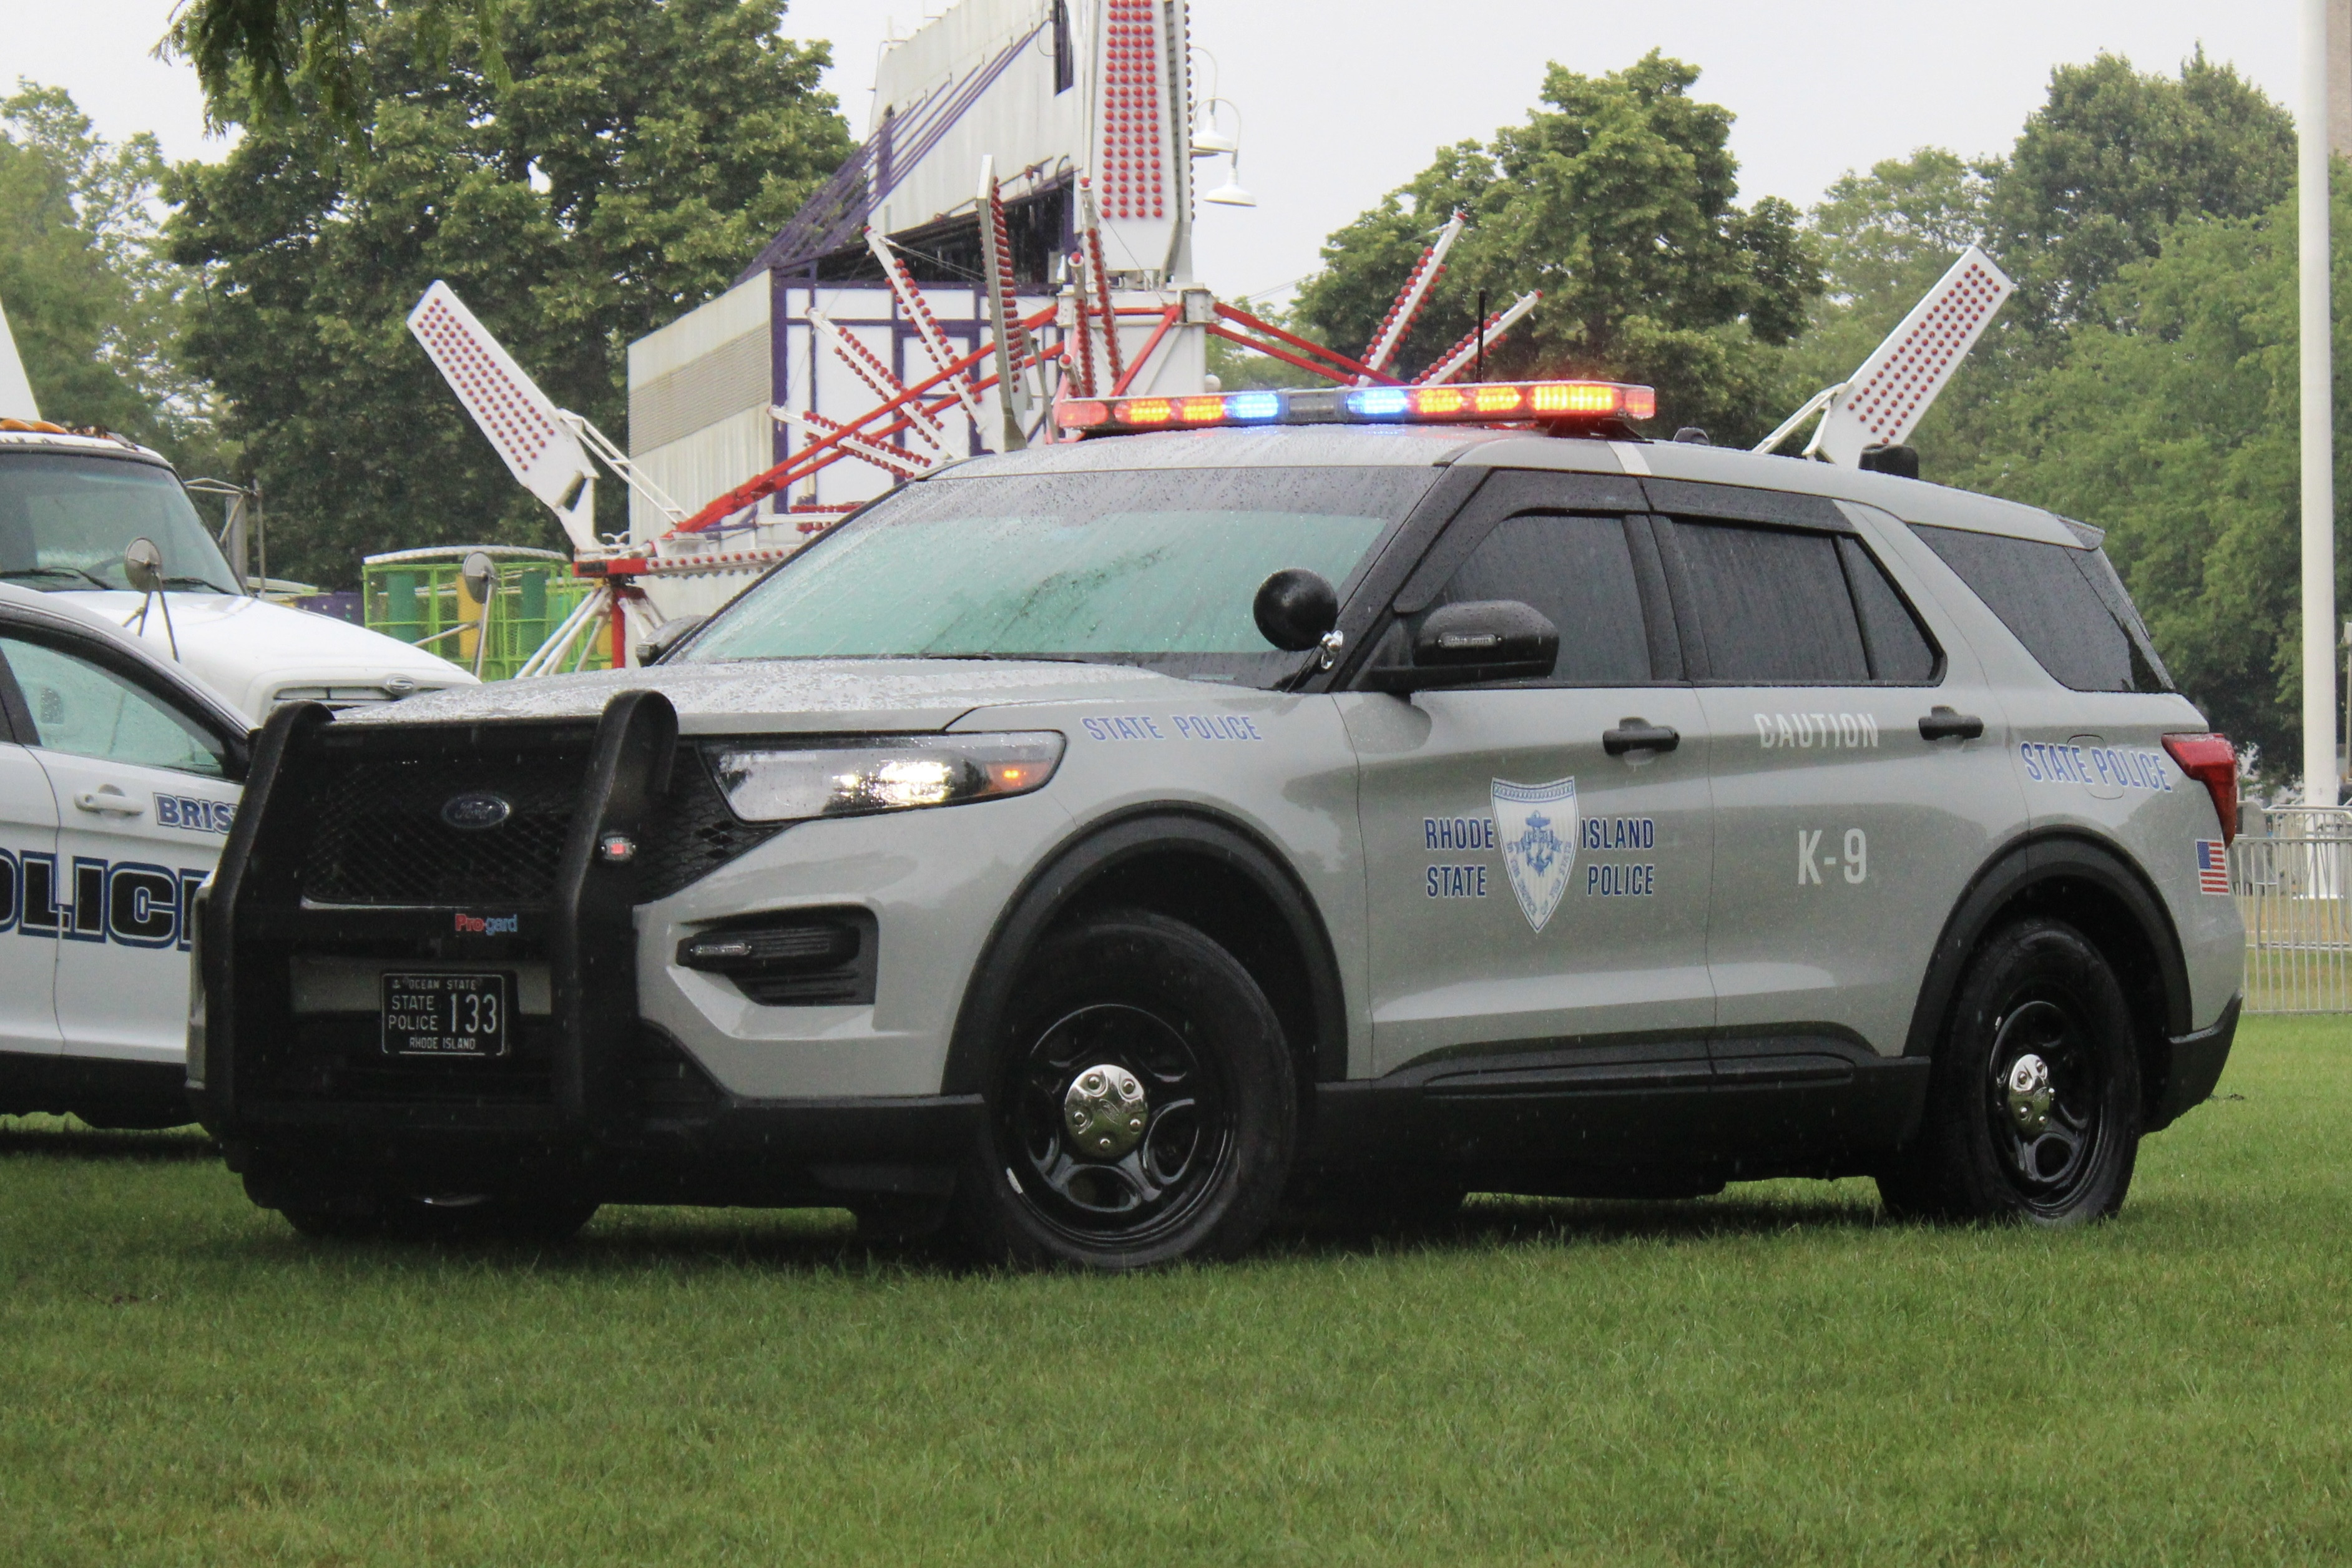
1487,403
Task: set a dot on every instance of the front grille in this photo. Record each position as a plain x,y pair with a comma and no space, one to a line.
379,838
692,834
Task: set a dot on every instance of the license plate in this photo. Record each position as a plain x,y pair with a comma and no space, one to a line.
446,1015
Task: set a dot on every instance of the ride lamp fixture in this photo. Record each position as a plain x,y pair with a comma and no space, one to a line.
1489,403
885,773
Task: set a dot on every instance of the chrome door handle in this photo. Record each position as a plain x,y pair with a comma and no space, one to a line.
1639,735
109,800
1944,724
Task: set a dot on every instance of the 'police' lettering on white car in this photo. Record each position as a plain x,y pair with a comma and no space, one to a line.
128,902
1611,879
2094,766
1810,731
1812,862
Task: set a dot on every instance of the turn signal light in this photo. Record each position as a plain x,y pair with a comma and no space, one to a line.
2213,762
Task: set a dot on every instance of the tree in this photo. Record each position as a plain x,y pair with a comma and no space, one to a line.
2113,161
641,153
1617,202
92,306
252,55
2174,429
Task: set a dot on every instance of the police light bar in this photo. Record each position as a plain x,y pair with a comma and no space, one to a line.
1490,402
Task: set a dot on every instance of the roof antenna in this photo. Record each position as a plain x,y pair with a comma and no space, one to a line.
1482,335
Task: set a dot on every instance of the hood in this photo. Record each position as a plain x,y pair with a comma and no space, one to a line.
251,650
790,696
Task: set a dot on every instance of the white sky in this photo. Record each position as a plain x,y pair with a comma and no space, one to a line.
1344,100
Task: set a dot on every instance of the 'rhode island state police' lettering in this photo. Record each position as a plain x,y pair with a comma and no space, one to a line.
2094,765
1458,881
1816,731
1457,832
1619,832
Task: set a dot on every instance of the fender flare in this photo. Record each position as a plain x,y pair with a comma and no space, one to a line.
2019,868
1075,865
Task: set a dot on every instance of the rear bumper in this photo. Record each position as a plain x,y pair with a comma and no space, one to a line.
2195,1064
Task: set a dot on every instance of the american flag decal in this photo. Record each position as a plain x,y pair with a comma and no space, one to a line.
2213,867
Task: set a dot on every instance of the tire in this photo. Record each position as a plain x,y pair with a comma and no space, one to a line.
1185,1088
2033,1103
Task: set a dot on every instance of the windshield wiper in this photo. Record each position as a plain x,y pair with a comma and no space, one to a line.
57,571
195,582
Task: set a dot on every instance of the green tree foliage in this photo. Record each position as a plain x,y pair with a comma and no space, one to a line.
91,305
1618,203
2113,159
260,59
2174,429
641,152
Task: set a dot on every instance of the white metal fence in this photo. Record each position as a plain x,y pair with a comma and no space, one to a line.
2291,886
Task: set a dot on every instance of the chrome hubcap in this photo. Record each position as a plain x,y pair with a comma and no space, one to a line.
1106,1111
2029,1094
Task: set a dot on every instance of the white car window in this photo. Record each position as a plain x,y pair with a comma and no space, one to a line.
78,708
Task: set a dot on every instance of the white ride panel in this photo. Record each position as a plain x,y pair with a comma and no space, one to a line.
522,423
1881,404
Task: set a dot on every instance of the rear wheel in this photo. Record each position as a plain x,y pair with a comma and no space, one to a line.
1140,1104
2033,1103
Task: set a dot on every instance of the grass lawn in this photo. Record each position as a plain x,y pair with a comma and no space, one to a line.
1770,1376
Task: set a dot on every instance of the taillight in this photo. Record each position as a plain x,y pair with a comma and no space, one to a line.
2213,762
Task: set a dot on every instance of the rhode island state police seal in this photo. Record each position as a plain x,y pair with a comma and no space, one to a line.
1536,827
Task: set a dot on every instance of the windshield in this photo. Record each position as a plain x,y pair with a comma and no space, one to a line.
1156,567
66,519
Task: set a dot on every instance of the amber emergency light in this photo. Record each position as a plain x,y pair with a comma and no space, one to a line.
1489,403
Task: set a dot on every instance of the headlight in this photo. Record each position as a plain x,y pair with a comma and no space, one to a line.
787,783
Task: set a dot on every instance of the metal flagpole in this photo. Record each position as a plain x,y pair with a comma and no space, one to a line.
2318,423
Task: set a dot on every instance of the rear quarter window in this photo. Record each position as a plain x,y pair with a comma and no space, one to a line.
2065,605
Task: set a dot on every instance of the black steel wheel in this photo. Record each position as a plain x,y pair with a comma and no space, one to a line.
2034,1104
1141,1107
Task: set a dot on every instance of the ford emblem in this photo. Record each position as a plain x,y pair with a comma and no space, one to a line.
477,812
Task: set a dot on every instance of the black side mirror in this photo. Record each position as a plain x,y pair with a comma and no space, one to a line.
1296,609
667,636
1469,644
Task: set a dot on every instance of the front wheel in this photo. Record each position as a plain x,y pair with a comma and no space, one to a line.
2033,1103
1140,1104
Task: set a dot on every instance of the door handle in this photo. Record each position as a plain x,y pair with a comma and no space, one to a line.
1944,724
110,800
1639,735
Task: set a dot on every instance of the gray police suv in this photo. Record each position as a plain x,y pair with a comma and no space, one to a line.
1083,847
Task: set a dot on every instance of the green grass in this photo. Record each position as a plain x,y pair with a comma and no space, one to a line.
1772,1377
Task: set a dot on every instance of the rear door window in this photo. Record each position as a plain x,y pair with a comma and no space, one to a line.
1780,606
2065,605
1578,573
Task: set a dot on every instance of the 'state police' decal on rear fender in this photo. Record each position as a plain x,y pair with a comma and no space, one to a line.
128,902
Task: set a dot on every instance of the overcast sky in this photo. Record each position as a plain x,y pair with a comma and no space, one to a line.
1344,100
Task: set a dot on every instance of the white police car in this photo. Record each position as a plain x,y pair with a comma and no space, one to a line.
1406,791
119,780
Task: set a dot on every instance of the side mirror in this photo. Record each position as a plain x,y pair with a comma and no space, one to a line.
142,565
1470,644
1296,609
479,572
667,636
